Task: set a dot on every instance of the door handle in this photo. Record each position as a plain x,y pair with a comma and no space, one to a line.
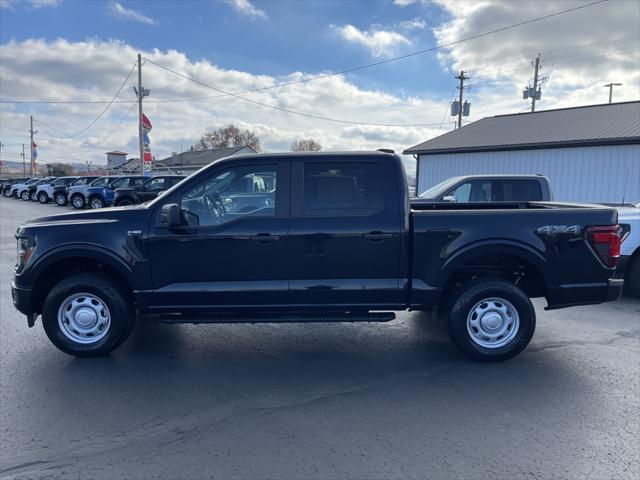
263,238
376,236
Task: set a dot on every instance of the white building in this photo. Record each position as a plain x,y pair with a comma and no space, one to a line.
590,154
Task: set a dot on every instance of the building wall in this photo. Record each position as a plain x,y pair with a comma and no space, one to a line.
581,174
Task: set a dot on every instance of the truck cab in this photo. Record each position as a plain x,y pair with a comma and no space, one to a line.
490,188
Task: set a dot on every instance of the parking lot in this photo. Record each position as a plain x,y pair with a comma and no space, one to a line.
327,401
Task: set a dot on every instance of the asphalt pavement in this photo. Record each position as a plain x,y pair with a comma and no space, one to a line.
325,401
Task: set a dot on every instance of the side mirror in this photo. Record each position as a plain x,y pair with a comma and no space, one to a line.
449,198
170,215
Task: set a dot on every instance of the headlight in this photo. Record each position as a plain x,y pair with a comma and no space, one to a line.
25,249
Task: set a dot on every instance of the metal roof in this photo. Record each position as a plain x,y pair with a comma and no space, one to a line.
616,123
199,157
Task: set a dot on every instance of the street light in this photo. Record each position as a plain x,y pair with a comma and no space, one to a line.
611,85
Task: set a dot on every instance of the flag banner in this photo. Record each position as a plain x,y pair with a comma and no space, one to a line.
146,123
145,138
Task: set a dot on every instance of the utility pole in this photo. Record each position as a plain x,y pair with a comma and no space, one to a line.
24,166
31,136
535,84
462,78
140,97
611,85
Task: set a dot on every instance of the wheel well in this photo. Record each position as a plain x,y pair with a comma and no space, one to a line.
70,266
505,266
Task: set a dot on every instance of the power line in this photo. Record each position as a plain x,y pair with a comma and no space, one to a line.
346,70
100,114
287,110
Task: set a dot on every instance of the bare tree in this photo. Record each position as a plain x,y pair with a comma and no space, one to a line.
306,145
228,136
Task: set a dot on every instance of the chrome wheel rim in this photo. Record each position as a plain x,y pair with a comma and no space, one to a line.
493,322
84,318
95,203
78,202
60,199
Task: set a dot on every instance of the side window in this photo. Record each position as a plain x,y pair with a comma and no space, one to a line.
156,184
342,189
474,191
521,190
237,192
136,182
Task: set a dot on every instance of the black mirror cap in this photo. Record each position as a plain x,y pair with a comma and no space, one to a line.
170,215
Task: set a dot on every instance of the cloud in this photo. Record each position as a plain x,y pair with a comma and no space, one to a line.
10,4
404,3
413,24
380,42
93,70
245,7
123,13
580,50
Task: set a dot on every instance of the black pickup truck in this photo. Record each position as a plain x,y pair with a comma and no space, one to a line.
312,237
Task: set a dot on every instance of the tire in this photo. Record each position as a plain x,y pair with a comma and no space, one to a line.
24,195
125,202
96,202
632,277
95,300
77,200
60,199
491,320
43,197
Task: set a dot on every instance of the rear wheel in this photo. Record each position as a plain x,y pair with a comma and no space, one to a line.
43,197
87,314
60,199
77,200
96,202
491,320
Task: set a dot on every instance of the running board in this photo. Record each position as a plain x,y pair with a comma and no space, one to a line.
288,318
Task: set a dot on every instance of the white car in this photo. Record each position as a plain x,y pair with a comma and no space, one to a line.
629,218
44,192
19,188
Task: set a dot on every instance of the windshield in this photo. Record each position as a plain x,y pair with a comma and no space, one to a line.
32,181
101,182
440,189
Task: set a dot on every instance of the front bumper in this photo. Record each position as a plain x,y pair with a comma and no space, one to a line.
561,296
22,301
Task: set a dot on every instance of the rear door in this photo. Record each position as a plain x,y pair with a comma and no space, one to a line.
344,234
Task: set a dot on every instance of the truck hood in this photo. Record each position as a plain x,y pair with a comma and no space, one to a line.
101,216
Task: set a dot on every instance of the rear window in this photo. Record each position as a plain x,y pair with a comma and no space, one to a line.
342,189
521,190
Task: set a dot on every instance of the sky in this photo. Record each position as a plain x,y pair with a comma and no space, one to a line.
84,51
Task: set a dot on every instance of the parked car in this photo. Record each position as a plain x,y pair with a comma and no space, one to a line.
102,196
33,188
44,192
60,193
145,192
77,193
491,188
5,185
16,190
339,241
629,265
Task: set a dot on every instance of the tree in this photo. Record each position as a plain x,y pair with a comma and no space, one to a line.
228,136
306,145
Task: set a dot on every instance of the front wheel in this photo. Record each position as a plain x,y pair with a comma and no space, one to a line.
491,320
43,197
77,200
96,202
24,195
87,314
60,199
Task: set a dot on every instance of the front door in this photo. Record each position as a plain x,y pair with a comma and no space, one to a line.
230,254
344,235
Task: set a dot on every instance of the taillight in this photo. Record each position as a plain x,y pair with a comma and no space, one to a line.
605,241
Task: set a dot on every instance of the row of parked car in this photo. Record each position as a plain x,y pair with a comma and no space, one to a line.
89,191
